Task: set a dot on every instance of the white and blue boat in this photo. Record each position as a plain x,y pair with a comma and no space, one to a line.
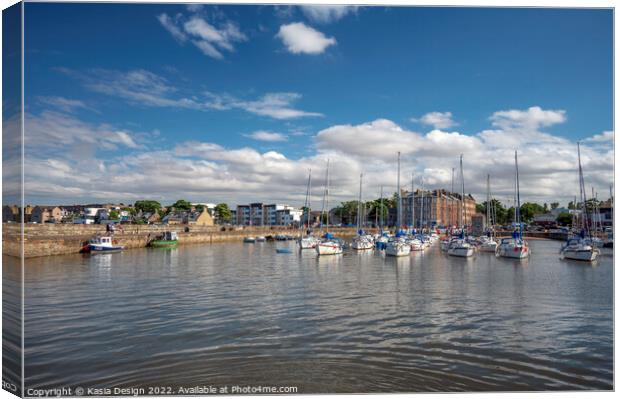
103,245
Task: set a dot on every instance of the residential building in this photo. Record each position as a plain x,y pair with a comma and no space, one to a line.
259,214
606,209
28,213
189,217
10,213
203,218
289,216
545,219
436,208
242,215
478,224
92,215
270,213
46,214
251,215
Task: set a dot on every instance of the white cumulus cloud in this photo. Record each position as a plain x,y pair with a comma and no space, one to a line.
603,137
327,13
439,120
262,135
532,118
301,39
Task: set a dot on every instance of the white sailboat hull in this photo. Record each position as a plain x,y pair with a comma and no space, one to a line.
361,245
463,252
328,248
489,246
588,255
513,251
397,249
445,245
417,246
307,243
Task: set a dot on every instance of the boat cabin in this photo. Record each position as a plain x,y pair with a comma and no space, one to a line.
170,236
102,240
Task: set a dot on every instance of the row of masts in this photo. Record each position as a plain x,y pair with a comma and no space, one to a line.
491,215
360,218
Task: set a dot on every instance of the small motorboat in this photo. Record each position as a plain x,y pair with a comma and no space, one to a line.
283,250
249,239
260,239
167,240
102,245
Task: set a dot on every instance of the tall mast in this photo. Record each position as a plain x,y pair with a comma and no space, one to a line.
452,197
381,207
593,218
323,205
398,210
518,209
359,206
582,191
462,192
307,201
412,204
327,193
488,200
423,210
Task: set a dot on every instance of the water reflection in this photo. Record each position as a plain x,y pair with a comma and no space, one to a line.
356,322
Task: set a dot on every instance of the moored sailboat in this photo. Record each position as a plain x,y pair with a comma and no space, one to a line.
309,241
460,246
328,245
516,246
361,241
487,242
580,247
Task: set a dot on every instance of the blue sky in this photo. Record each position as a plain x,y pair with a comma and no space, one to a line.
290,86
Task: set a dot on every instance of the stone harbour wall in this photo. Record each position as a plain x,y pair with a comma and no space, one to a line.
61,239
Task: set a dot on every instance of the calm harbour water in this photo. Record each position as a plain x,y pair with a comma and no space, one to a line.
242,314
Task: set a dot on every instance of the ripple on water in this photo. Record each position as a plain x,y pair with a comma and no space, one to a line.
243,314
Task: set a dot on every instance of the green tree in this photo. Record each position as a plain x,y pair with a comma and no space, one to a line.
546,207
555,205
501,214
132,211
182,205
223,212
377,211
564,218
347,211
114,215
529,209
147,206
